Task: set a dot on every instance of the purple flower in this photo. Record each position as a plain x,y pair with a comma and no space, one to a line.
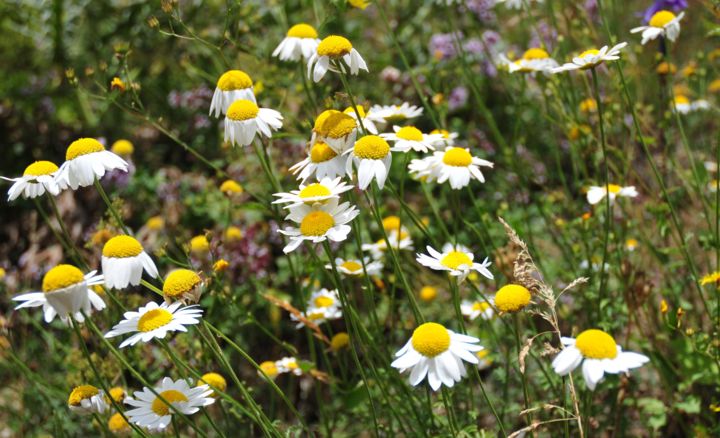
442,46
483,9
659,5
458,98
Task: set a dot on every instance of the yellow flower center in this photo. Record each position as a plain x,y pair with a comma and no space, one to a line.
661,18
681,100
61,276
314,190
268,367
40,168
351,112
314,316
122,147
215,380
334,124
83,146
242,110
588,105
410,133
117,394
710,278
302,30
340,341
391,223
80,393
480,306
321,153
457,157
511,298
316,223
535,53
352,266
230,186
155,223
614,188
444,132
454,259
171,396
199,244
179,282
596,344
117,423
334,47
121,247
431,339
371,147
234,80
324,301
154,319
428,293
233,234
589,52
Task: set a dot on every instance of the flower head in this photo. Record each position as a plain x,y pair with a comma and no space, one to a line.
300,42
123,262
87,399
319,223
244,120
182,284
662,23
86,160
38,178
372,158
596,194
512,298
232,85
591,58
152,321
473,309
454,164
335,53
455,259
409,138
323,192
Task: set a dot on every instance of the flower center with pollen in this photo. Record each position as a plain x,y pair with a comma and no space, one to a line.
80,393
171,396
351,266
234,80
40,168
535,53
302,30
409,133
614,188
371,147
334,46
121,247
334,124
589,52
316,223
511,298
430,339
154,319
323,301
455,259
180,282
61,276
314,190
596,344
242,110
321,153
83,146
457,157
661,18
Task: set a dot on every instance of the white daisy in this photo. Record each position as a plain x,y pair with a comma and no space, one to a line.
354,267
455,259
322,162
394,113
123,262
437,353
87,399
152,321
683,105
66,293
319,223
398,241
288,365
592,58
318,315
153,412
336,129
316,193
454,164
372,158
334,53
473,309
408,138
233,85
533,60
598,353
244,119
662,23
85,160
300,42
38,178
367,122
446,138
595,194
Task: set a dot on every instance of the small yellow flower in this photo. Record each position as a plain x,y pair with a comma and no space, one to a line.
230,187
118,425
340,341
221,265
199,244
101,236
428,294
233,234
269,368
359,4
123,147
117,84
512,298
155,223
663,306
215,380
689,70
586,216
631,244
710,278
714,86
3,273
666,68
588,105
715,407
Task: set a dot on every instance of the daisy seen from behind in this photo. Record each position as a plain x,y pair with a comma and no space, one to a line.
86,160
244,119
87,400
231,86
123,262
663,23
409,138
592,58
454,164
455,259
372,158
300,42
152,321
335,53
595,194
38,178
318,223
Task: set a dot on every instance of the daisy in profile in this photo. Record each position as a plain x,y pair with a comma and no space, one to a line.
454,164
533,60
183,284
123,262
398,240
336,129
334,53
244,119
354,267
410,138
592,58
152,321
233,85
367,122
598,353
154,412
595,194
372,158
85,160
663,23
455,259
445,139
66,293
473,309
322,162
436,352
38,178
300,42
316,193
319,223
394,113
288,365
87,400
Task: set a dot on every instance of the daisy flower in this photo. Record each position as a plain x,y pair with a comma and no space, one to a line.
512,298
288,365
318,315
233,85
598,353
300,42
85,160
334,53
123,262
662,23
269,368
316,193
446,138
455,259
473,309
410,138
336,129
436,352
214,380
367,122
66,293
153,321
244,119
596,194
683,105
322,162
397,240
319,223
354,267
87,399
122,147
533,60
394,113
38,178
372,158
183,284
428,294
592,58
155,412
454,164
118,425
339,341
